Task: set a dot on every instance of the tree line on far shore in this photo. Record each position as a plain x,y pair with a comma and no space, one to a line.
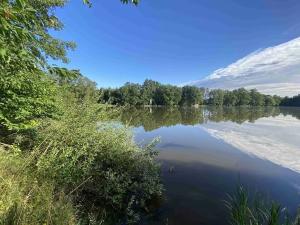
293,101
153,93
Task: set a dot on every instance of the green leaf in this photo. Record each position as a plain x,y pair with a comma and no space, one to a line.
87,2
20,3
2,52
135,2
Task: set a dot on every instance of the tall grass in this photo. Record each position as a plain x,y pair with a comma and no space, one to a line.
246,210
25,199
83,169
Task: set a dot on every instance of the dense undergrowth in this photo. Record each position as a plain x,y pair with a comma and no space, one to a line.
27,199
80,168
62,159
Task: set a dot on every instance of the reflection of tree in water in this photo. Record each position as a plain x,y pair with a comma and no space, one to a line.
240,114
153,118
191,116
292,111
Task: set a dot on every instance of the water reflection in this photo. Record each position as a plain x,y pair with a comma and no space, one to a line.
270,133
276,139
154,118
212,149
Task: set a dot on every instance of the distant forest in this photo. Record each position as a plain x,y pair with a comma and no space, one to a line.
293,101
153,93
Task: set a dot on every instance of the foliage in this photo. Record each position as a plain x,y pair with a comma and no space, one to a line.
153,93
245,210
135,2
79,165
24,38
191,96
112,177
26,199
293,101
241,97
256,99
79,168
150,93
81,88
167,95
230,98
131,94
216,97
149,89
25,98
26,92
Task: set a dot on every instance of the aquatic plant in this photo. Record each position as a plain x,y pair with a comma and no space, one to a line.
246,210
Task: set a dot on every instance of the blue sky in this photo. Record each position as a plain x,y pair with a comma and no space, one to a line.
171,41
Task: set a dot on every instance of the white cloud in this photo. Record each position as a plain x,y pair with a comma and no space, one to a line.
263,139
274,70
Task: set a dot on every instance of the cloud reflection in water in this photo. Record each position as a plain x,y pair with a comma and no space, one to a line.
276,139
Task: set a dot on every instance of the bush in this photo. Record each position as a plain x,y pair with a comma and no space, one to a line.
99,164
82,168
26,199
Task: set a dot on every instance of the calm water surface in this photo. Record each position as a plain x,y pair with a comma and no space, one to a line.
206,152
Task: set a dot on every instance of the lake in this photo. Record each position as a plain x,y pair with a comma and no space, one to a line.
206,152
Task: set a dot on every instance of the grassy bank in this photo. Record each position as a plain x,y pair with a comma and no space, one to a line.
79,168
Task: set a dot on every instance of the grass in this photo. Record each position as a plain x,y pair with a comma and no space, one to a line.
244,210
78,173
25,199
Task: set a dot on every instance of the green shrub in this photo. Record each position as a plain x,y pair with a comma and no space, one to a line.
98,163
83,169
25,199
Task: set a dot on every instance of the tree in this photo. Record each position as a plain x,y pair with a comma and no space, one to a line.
24,99
168,95
116,97
278,100
191,96
150,93
131,93
26,91
243,96
111,96
25,39
216,97
104,95
292,101
70,155
256,98
269,100
149,88
26,46
84,89
230,98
